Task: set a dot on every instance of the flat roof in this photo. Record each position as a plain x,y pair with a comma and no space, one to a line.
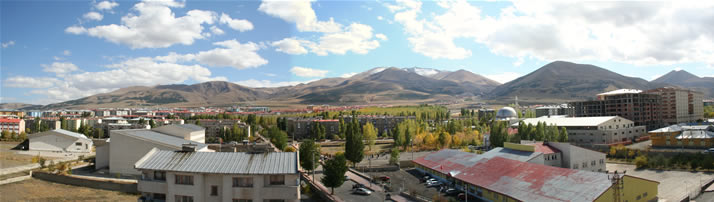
70,133
621,91
569,121
512,154
519,180
159,138
220,162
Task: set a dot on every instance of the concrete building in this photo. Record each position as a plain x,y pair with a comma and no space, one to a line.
683,136
11,113
381,123
215,126
302,127
185,131
556,154
59,140
502,179
588,131
553,110
128,146
12,125
641,108
679,105
219,176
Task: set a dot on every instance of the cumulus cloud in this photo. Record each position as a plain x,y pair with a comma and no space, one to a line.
8,44
106,5
93,16
253,83
381,37
504,77
60,68
234,54
30,82
217,31
637,33
153,25
236,24
336,38
308,72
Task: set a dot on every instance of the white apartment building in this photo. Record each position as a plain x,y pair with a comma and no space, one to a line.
593,130
218,176
680,105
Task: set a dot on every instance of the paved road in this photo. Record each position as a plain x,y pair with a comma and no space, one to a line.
345,191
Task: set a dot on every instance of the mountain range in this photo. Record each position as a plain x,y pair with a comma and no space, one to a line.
555,82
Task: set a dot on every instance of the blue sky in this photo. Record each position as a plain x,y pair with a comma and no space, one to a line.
55,51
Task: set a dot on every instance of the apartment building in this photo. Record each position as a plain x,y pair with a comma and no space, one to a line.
641,108
679,105
215,126
12,113
553,110
381,123
12,125
588,131
302,127
186,175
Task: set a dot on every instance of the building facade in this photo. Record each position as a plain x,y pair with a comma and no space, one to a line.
683,136
641,108
556,154
301,128
215,126
226,176
59,140
589,131
553,110
12,125
381,123
679,105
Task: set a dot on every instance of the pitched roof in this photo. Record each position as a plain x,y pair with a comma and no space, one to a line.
159,138
545,149
70,133
511,154
569,121
220,162
519,180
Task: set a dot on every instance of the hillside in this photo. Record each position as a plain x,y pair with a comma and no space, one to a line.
566,81
17,106
687,80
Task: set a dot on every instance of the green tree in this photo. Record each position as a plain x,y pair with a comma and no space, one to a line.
278,137
335,170
370,134
394,157
443,138
152,123
198,122
309,154
354,147
142,121
563,137
318,131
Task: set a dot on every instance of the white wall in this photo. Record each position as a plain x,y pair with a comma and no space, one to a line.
578,155
102,156
52,141
125,151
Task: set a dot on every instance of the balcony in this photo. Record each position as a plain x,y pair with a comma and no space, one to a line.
152,186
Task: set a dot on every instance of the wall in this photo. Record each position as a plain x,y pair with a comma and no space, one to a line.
96,184
633,187
102,156
50,141
125,151
577,155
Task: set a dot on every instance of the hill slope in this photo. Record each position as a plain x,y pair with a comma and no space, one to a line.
687,80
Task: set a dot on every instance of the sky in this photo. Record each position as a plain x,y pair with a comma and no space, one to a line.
55,51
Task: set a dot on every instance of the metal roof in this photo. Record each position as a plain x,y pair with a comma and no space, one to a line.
569,121
159,138
544,148
519,180
621,91
678,128
696,134
70,133
220,162
510,154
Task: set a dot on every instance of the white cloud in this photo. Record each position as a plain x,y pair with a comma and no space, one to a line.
30,82
299,12
75,30
348,75
504,77
637,33
60,68
381,37
236,24
380,18
66,53
291,46
308,72
105,5
217,31
234,54
8,44
153,25
356,38
253,83
93,16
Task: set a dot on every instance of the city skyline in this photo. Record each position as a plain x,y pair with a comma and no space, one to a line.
75,49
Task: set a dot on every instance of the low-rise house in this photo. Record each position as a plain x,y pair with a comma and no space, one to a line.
60,141
186,175
683,136
12,125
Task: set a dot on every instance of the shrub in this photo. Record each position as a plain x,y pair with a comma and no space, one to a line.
641,161
42,162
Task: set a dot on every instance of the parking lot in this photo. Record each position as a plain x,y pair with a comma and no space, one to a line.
408,180
346,193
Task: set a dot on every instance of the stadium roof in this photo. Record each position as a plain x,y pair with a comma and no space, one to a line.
519,180
220,162
569,121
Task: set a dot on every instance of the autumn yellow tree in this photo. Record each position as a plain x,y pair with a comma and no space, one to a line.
370,134
430,141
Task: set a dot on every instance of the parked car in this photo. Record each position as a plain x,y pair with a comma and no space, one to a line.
709,151
362,191
358,185
347,178
451,191
431,180
433,184
425,178
384,178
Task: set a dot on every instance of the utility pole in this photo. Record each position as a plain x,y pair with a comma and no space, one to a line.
617,184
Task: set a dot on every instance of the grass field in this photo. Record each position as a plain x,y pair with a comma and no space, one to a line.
38,190
9,159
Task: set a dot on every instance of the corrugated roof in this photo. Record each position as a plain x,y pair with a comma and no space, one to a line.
520,180
510,154
220,162
159,138
569,121
696,134
191,127
70,133
546,149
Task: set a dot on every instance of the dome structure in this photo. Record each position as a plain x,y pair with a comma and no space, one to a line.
506,113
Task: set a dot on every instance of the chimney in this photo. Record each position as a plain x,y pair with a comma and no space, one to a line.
188,148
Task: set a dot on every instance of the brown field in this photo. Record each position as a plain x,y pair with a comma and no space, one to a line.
377,148
38,190
9,159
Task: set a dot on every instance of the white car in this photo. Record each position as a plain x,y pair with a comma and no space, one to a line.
362,191
432,180
433,184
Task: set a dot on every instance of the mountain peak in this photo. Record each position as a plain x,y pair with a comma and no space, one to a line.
676,76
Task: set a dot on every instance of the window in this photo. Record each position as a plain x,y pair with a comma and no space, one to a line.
160,175
277,180
242,182
602,161
214,190
592,163
159,196
180,198
585,165
184,179
242,200
78,144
